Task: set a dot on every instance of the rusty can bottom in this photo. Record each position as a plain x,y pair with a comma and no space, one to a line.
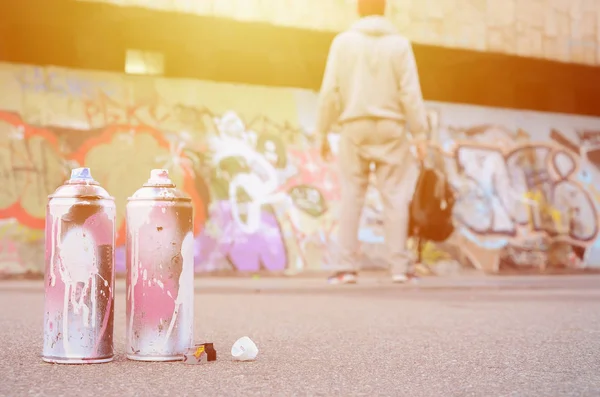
136,357
64,360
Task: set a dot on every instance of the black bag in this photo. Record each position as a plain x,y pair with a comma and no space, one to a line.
431,207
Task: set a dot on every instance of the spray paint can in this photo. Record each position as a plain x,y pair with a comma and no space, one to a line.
80,275
160,271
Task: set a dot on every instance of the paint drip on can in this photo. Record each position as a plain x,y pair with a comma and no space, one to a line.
160,271
80,272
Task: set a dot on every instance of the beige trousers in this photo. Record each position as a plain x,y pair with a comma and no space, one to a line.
385,144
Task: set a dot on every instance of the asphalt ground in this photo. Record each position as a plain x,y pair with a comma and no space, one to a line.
500,336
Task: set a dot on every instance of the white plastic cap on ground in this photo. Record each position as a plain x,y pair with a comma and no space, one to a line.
244,349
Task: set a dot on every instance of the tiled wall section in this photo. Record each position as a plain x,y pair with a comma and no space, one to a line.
563,30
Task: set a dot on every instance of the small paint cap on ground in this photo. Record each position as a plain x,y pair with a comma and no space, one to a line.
244,349
203,352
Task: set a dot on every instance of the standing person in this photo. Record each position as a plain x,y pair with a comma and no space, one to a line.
371,88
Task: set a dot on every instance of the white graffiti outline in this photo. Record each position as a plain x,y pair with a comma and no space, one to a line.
260,183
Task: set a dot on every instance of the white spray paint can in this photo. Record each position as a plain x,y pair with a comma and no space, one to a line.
80,272
160,271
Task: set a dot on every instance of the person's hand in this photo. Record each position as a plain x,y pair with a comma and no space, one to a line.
421,150
325,149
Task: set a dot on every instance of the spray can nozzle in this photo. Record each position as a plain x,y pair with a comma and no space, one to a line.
160,177
81,173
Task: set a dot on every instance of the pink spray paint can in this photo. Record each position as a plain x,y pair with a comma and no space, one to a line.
160,271
80,275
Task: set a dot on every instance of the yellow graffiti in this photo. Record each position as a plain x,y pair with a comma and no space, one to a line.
13,230
306,237
30,169
21,248
123,165
430,252
538,200
594,191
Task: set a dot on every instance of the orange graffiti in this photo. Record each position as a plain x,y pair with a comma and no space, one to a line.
103,111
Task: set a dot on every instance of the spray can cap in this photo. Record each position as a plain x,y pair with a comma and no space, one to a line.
81,173
160,177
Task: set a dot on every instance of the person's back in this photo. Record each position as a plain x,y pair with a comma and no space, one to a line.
374,56
371,72
371,88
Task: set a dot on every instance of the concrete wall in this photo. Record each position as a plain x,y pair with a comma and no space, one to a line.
526,181
563,30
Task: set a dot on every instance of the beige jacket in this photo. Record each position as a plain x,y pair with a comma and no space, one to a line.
371,73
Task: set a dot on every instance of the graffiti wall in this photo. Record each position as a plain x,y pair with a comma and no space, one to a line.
526,182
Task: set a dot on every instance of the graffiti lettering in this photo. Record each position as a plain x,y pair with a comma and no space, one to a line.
21,248
223,241
529,186
311,170
111,153
30,169
482,202
308,199
41,80
311,236
527,255
263,198
590,137
253,185
102,111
